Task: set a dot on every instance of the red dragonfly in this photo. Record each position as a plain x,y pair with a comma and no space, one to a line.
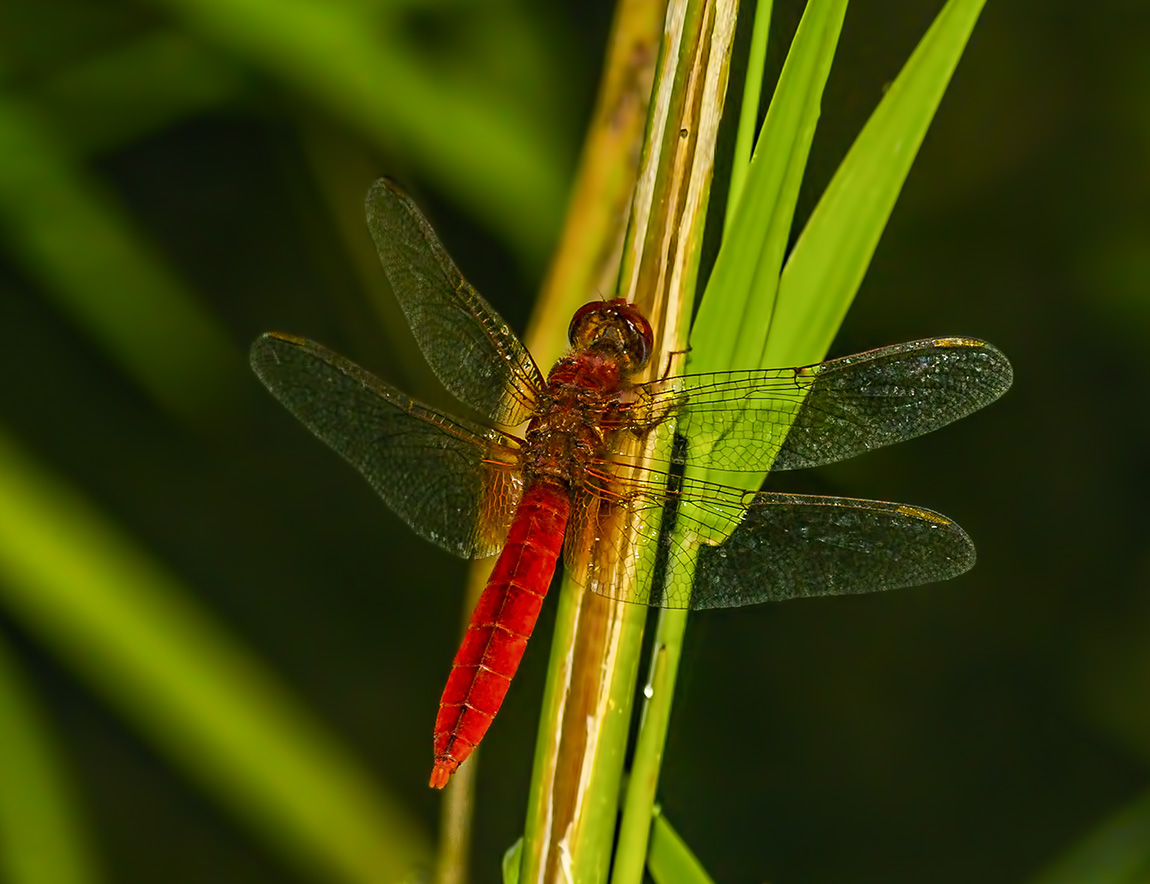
475,490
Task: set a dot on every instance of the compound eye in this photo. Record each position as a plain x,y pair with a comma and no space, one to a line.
577,330
616,326
635,331
639,341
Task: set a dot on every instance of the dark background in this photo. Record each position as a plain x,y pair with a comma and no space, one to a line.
968,731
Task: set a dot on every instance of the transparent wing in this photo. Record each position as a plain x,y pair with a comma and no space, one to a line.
454,482
784,546
794,546
736,420
894,393
470,348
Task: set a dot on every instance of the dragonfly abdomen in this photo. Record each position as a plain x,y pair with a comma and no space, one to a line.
500,626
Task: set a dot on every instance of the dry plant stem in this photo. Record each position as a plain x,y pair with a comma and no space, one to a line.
585,266
574,796
586,262
682,180
595,653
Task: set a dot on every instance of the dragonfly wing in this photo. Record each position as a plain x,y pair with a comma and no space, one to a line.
783,546
887,395
738,420
601,548
796,546
470,348
455,483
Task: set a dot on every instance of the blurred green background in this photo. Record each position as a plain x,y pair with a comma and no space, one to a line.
178,176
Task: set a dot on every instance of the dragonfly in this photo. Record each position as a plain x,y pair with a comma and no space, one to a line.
562,487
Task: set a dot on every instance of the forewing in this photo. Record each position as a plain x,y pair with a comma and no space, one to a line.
470,348
894,393
454,482
738,420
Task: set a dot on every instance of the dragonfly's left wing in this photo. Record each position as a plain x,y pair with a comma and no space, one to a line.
470,348
737,420
454,482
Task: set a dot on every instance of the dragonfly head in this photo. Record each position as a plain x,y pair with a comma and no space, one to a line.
613,328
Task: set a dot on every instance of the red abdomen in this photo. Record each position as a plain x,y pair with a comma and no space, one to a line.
500,626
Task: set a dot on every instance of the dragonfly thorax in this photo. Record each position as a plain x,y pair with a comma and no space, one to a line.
567,435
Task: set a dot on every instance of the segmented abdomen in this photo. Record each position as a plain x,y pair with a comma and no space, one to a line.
500,626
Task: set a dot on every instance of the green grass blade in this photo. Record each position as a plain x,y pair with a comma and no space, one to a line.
831,256
591,687
744,326
510,863
135,635
736,314
749,110
135,89
70,234
642,785
762,220
1116,852
760,229
43,839
773,319
497,157
671,860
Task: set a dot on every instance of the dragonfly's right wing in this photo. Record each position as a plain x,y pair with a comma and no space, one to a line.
454,482
780,546
796,546
738,420
883,396
470,348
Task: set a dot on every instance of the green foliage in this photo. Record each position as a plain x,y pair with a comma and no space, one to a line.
141,642
669,860
1117,852
511,862
758,313
111,611
43,837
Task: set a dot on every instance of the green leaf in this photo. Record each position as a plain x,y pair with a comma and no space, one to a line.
743,283
1116,852
498,158
69,232
753,315
130,630
670,860
511,862
834,250
736,313
43,839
